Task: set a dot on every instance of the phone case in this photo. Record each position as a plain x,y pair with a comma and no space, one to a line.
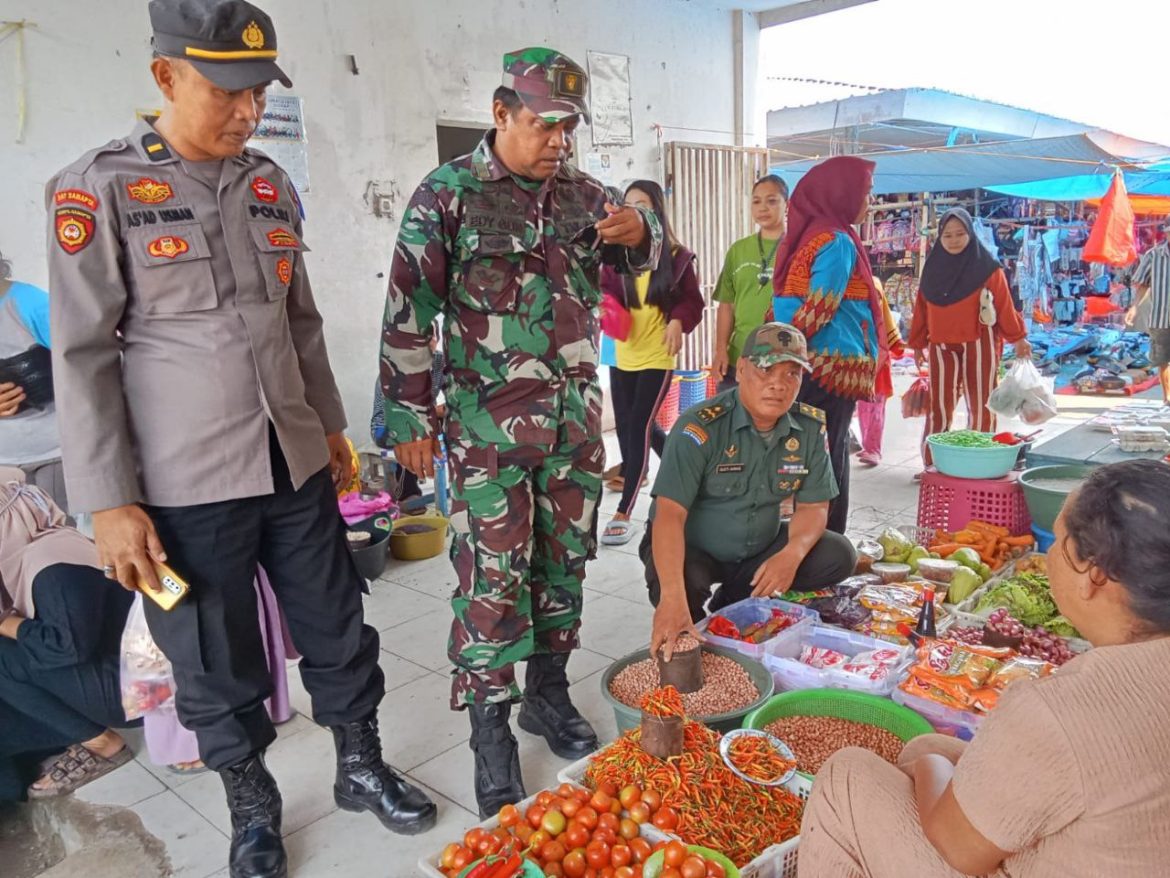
174,588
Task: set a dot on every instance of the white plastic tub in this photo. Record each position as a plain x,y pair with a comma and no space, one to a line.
782,659
751,611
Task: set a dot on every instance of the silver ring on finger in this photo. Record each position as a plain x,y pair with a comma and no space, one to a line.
110,572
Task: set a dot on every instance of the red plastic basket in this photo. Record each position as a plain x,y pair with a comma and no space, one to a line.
947,503
668,410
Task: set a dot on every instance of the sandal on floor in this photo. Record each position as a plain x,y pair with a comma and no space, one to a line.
75,768
623,532
614,472
187,769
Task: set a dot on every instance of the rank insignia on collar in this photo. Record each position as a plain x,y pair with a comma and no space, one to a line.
731,452
264,190
284,270
711,412
168,246
74,228
149,191
282,238
155,147
793,444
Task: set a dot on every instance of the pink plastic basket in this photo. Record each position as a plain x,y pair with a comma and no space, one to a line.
947,503
668,411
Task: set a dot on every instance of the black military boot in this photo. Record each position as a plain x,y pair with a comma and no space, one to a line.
547,710
254,800
497,759
366,783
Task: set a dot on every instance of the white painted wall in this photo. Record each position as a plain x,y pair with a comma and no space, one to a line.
419,62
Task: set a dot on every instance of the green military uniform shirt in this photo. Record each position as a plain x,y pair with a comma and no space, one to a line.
718,467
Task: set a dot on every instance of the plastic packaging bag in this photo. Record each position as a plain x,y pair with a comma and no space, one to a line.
148,683
916,400
32,371
616,321
1025,394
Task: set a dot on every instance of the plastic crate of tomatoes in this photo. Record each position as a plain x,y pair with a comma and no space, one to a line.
566,831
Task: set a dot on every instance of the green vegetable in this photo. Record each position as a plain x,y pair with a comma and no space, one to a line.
963,585
984,572
1026,597
916,555
965,439
895,545
1062,626
968,557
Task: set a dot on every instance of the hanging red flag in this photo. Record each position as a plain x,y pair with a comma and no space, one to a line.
1111,240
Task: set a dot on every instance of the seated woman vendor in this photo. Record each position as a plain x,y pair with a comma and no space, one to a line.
1070,774
728,465
61,626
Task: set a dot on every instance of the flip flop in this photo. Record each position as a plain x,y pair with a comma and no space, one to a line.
613,472
624,533
75,768
188,768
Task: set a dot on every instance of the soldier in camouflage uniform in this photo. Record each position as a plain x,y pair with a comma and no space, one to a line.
507,244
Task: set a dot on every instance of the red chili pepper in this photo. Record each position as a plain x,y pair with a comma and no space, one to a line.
508,868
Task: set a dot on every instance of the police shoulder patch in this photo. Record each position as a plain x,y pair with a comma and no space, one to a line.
811,411
713,412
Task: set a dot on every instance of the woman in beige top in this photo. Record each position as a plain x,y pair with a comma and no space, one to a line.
1070,775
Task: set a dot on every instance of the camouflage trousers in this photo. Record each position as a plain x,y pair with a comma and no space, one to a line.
524,522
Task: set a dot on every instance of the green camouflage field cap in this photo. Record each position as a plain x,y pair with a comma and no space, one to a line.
775,343
550,84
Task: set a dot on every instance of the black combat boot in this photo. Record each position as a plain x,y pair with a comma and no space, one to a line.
497,759
254,800
547,710
366,783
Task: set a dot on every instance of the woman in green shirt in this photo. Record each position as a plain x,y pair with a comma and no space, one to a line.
744,290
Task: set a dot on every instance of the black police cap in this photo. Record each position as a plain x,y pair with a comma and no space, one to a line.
231,42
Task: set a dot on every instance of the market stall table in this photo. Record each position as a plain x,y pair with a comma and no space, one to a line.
1086,445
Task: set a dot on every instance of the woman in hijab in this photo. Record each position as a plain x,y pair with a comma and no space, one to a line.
61,626
962,317
824,287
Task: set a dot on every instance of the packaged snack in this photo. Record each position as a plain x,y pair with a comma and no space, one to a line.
822,657
875,665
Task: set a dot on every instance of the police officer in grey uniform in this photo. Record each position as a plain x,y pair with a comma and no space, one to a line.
203,419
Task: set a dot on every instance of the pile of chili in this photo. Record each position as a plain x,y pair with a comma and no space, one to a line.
715,808
758,759
664,701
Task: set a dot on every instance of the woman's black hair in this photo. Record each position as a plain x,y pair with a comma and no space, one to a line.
1117,522
775,181
662,293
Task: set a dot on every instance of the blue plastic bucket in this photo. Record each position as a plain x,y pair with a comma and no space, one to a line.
1044,538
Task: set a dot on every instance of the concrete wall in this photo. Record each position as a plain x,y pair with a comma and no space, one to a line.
419,63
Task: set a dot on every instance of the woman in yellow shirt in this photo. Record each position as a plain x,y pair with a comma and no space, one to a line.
663,304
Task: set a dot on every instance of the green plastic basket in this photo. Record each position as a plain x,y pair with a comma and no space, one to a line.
842,704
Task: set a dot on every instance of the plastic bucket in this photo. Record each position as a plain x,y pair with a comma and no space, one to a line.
1044,503
1044,538
628,717
973,463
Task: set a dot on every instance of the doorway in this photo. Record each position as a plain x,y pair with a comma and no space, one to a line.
455,140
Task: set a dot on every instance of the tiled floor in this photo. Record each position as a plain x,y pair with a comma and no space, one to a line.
422,737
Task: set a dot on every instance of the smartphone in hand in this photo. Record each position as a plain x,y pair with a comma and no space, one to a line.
174,587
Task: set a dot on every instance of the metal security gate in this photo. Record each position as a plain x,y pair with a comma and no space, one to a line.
709,199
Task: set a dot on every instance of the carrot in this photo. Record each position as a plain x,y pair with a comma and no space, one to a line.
986,527
1021,542
946,549
968,537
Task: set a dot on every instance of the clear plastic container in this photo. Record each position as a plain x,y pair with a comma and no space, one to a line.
782,658
961,724
751,611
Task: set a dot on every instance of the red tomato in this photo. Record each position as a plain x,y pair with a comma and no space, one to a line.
509,816
641,849
462,857
675,853
693,867
538,839
621,855
715,870
447,858
629,794
666,818
661,845
640,812
607,872
652,799
488,844
566,791
544,798
628,829
581,795
534,815
553,870
575,836
600,801
669,872
553,823
587,817
623,872
554,852
609,821
574,864
471,838
571,807
597,854
606,835
609,788
523,832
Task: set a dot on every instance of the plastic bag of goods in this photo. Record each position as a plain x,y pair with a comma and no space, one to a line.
1025,394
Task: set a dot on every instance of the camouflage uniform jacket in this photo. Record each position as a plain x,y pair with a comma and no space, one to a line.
512,265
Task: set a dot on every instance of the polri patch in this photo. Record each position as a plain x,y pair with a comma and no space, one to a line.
729,468
75,228
282,238
148,191
168,246
264,191
284,270
76,196
697,433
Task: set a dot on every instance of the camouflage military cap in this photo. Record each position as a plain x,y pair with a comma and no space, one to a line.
550,84
774,343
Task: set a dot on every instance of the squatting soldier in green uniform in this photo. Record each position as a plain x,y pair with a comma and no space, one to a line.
728,465
507,244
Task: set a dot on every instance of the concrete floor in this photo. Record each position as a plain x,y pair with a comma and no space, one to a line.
422,737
